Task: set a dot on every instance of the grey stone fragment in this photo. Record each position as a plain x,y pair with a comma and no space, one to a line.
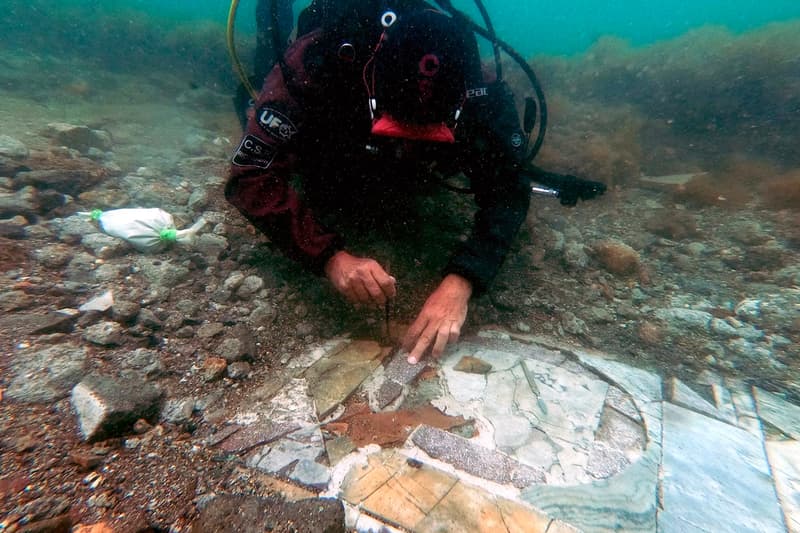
104,246
22,202
108,407
161,273
104,333
149,319
249,287
700,452
146,362
209,330
389,391
475,459
71,182
53,256
15,300
177,411
46,375
239,370
400,371
239,345
13,148
211,245
37,324
79,138
311,474
125,311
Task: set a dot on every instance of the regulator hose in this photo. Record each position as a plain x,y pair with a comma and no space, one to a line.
237,65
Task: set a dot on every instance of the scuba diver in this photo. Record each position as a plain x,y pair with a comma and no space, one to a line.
366,107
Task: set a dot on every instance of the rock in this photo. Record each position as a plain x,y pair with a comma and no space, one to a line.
105,333
574,256
24,202
104,246
617,257
239,370
101,303
249,287
38,323
71,182
46,375
71,230
10,229
15,301
13,148
108,407
178,411
80,268
249,514
210,329
573,325
211,245
473,365
80,138
124,311
161,273
238,346
146,362
149,320
213,369
678,318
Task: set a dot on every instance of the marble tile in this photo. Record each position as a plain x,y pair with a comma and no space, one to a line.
626,502
778,412
334,377
467,508
715,477
784,458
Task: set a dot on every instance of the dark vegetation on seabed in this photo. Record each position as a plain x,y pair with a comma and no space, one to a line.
709,100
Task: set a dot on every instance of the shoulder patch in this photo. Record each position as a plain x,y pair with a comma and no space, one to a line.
276,124
253,152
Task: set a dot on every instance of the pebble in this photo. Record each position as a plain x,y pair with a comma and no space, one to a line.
105,333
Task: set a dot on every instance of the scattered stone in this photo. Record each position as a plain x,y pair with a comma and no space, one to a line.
105,333
473,365
46,375
104,246
210,329
101,303
146,362
108,407
148,319
86,460
238,346
23,202
13,148
239,370
38,324
177,411
71,182
249,287
617,257
213,369
124,311
210,245
142,426
80,138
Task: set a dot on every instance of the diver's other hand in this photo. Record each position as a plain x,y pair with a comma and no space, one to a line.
439,323
361,280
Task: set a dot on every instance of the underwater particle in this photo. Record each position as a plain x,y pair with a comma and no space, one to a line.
617,257
473,365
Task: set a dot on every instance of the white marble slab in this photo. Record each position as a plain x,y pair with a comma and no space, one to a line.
715,477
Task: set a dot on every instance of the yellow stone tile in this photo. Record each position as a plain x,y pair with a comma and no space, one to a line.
362,481
425,486
394,505
465,509
359,351
519,518
562,527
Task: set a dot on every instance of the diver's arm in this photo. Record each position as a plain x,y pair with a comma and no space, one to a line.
259,184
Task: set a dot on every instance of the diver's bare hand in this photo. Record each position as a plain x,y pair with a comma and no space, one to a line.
359,279
439,323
